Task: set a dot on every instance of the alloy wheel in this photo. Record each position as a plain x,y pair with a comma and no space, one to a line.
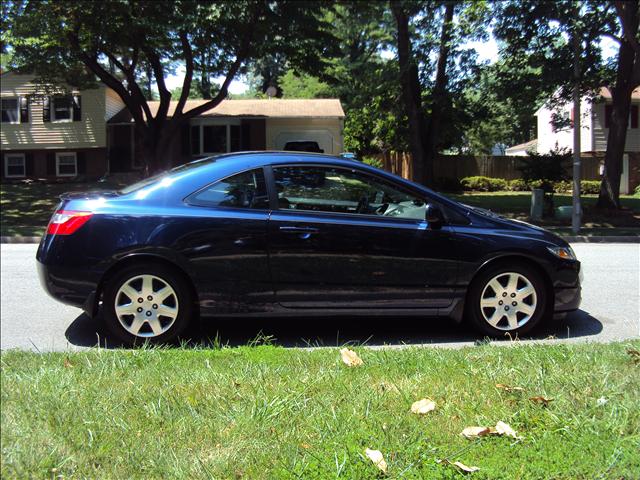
146,306
508,301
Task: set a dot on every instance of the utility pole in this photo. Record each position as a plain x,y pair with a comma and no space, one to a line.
576,212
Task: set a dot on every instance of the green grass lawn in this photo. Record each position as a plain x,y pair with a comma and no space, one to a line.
269,412
26,209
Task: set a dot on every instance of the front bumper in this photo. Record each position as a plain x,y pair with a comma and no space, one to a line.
568,299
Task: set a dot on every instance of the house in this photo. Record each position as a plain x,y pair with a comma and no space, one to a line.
236,125
53,133
86,134
594,130
522,149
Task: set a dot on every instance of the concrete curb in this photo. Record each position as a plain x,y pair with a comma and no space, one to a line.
570,239
20,239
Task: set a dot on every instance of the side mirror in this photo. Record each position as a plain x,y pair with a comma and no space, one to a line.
433,215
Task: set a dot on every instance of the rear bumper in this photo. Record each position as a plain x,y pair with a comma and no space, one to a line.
70,288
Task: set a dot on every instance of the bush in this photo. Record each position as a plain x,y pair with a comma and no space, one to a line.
373,161
518,185
636,193
483,184
589,187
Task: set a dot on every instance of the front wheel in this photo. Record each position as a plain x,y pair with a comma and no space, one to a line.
147,303
507,299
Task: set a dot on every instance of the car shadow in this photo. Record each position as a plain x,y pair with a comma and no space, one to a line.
334,331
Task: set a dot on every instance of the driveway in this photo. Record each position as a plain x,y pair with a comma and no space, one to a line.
610,311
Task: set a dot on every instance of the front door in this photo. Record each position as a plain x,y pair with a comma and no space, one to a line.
341,238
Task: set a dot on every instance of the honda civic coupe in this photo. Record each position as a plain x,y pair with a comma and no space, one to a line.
279,234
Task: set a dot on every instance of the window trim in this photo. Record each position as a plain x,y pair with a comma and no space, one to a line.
17,122
212,122
186,201
75,159
53,110
6,164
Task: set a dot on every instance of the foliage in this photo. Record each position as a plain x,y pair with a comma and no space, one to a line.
636,193
549,167
373,161
271,412
70,43
483,184
303,85
587,187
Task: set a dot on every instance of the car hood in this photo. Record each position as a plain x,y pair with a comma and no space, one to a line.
500,222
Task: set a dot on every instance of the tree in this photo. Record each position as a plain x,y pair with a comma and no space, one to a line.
302,85
538,34
434,68
627,80
65,42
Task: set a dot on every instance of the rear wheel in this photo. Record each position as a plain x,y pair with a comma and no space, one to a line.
147,303
507,299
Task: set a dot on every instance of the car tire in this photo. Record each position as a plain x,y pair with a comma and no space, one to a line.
150,299
507,300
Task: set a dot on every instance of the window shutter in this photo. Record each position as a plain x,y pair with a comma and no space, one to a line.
82,163
185,139
77,108
51,164
634,116
28,165
24,110
607,115
46,111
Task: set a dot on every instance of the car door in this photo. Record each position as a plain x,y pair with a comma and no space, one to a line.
342,238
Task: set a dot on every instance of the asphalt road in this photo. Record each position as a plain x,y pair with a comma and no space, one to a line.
30,319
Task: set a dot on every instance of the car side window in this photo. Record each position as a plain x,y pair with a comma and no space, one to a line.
244,190
338,190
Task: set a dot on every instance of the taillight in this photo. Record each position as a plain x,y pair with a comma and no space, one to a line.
66,222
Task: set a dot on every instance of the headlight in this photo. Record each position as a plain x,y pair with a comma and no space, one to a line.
565,253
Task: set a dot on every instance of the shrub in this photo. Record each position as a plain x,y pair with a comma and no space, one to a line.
518,185
590,186
563,187
483,184
636,192
373,161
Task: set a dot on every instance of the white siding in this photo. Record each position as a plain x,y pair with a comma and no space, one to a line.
600,134
90,132
113,103
548,139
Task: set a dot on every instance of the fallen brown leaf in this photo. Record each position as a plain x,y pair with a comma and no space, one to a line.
474,432
423,406
504,429
460,466
350,358
376,457
541,400
67,363
306,446
508,388
634,354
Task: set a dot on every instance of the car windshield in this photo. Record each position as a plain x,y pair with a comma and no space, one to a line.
166,174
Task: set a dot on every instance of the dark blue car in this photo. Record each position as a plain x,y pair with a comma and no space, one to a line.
289,233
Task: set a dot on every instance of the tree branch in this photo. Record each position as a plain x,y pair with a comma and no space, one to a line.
188,76
158,72
132,84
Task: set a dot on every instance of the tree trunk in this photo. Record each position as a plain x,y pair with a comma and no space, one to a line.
411,93
439,95
627,79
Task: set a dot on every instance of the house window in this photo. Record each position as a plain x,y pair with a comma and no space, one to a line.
14,165
10,110
62,110
209,138
66,164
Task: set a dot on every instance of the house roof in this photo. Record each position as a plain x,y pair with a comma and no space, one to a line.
271,108
523,147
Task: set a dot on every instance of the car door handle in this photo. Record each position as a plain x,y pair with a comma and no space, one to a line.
288,229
